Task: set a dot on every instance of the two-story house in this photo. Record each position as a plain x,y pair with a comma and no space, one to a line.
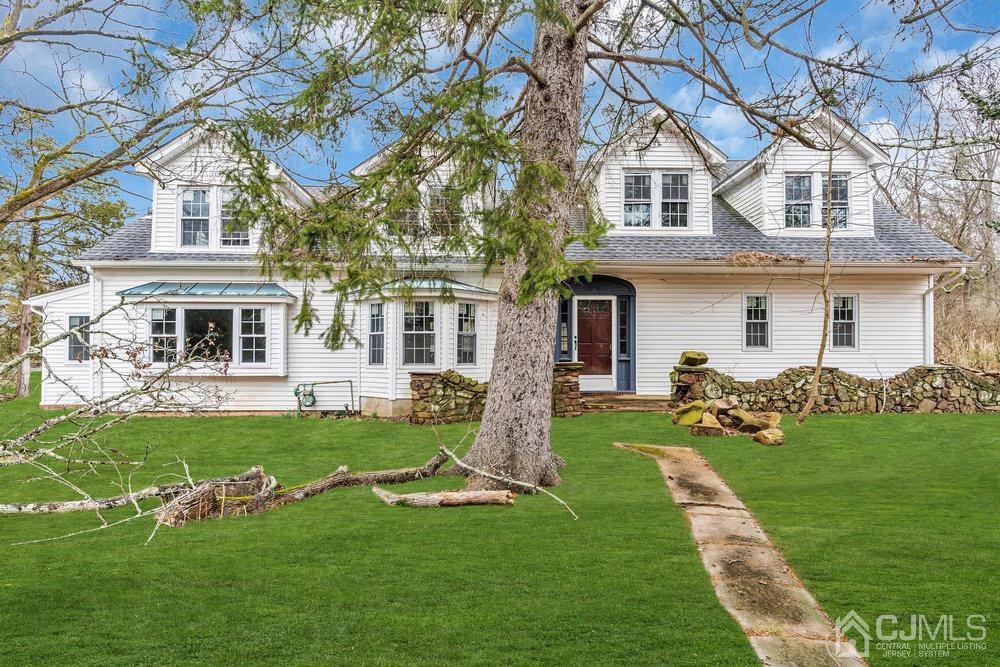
703,252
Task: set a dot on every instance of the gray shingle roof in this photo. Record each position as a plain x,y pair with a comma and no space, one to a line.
896,240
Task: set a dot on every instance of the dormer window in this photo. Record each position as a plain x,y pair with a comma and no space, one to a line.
675,196
638,202
195,210
798,200
231,235
837,199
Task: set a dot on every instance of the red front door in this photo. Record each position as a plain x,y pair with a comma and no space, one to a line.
593,330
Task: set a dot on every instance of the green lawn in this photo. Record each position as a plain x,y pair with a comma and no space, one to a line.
882,514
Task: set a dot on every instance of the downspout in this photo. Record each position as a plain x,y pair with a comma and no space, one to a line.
929,310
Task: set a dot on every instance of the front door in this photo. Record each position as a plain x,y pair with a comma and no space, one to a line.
595,341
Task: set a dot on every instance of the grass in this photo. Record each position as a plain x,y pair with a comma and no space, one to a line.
882,514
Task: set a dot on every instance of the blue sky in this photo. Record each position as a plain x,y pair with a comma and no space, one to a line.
872,24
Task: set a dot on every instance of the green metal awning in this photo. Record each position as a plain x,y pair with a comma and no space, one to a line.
433,286
207,289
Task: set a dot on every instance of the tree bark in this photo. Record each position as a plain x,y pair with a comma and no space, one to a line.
445,498
513,440
29,286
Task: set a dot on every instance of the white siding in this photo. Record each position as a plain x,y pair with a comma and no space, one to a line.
680,312
62,370
792,157
748,198
669,153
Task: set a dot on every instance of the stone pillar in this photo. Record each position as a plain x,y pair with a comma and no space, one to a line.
566,400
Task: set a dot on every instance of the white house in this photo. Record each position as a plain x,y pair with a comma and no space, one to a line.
707,253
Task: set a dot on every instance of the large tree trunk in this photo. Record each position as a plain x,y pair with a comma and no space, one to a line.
513,440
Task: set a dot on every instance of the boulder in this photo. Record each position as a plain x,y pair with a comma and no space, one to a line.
708,425
724,405
689,414
725,420
769,436
771,419
693,358
746,421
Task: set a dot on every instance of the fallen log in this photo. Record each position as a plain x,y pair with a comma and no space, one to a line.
99,504
445,498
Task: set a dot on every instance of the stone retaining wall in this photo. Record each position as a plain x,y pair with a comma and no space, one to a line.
449,396
919,389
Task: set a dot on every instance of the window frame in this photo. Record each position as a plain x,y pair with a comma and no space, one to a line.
173,351
856,322
459,334
454,218
81,342
228,235
207,218
769,304
687,201
627,201
808,202
435,339
380,333
240,336
236,336
824,178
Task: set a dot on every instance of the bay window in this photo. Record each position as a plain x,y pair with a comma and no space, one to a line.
376,334
253,336
418,333
228,334
466,343
163,334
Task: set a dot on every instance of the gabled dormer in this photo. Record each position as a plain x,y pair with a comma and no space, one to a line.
190,210
657,179
786,189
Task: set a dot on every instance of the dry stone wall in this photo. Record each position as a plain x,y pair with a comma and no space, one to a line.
919,389
449,396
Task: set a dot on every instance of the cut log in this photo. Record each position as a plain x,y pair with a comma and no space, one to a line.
446,498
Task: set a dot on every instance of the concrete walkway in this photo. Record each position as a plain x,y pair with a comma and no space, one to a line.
783,621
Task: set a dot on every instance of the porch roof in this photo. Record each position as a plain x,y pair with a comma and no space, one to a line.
206,289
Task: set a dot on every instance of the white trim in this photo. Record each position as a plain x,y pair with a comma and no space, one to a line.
438,312
857,322
57,295
770,322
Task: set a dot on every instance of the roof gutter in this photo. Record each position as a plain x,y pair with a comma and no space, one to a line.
962,272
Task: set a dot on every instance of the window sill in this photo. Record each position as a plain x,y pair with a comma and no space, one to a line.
233,371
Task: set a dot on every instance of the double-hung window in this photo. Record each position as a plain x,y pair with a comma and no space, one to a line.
844,335
195,217
79,343
798,200
466,344
253,336
418,333
756,322
230,234
638,203
835,199
163,334
443,212
376,334
675,195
